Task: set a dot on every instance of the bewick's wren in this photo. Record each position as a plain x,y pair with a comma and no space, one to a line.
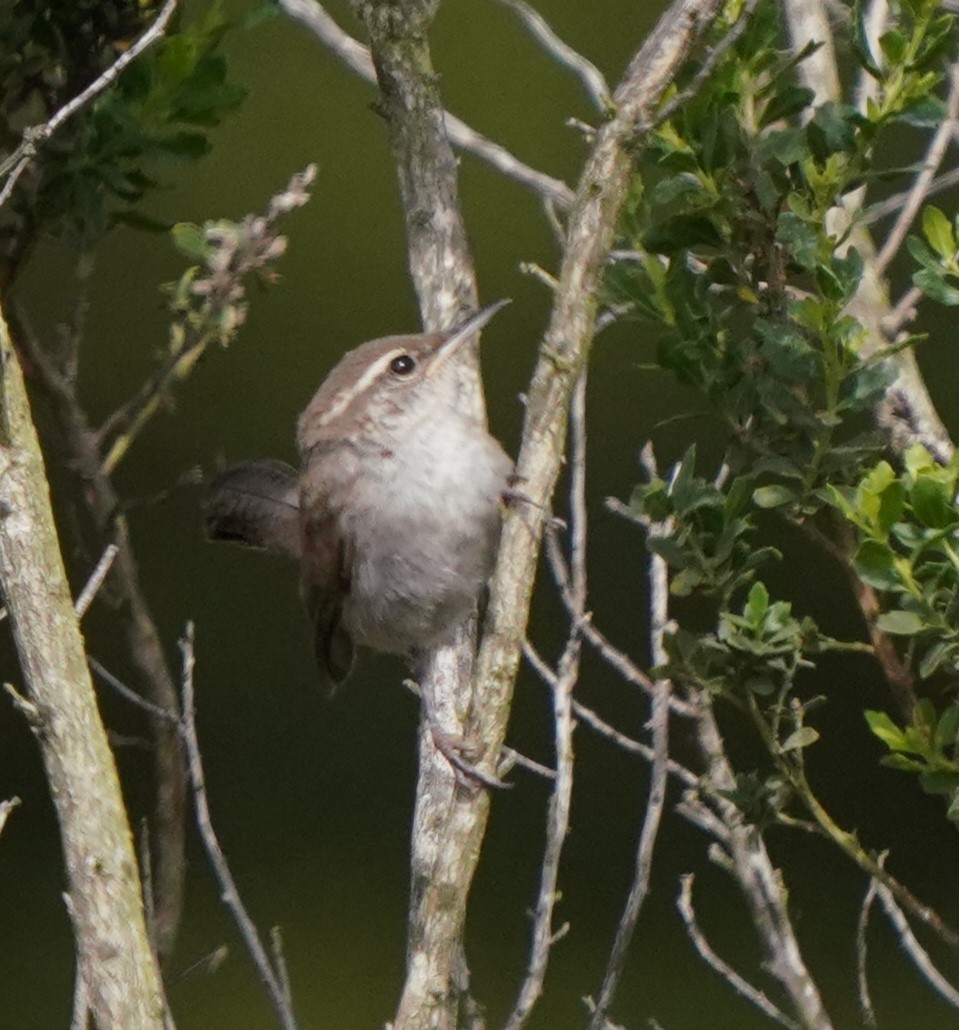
395,512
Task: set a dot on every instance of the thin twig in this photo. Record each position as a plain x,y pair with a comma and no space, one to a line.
255,245
923,181
915,951
684,903
33,137
893,205
862,979
616,659
639,888
279,963
357,57
539,28
598,725
6,807
902,313
567,675
93,584
129,694
511,757
229,894
708,65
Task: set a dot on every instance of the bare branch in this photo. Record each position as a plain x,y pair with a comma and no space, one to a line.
35,136
760,881
862,980
93,584
539,28
114,956
129,694
557,823
357,57
684,903
639,889
599,725
915,951
450,816
275,983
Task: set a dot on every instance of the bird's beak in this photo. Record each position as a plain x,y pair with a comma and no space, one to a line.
453,339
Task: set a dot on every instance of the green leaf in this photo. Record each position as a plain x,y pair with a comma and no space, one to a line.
902,763
952,812
885,729
935,658
800,738
874,562
947,729
931,501
799,238
773,496
190,240
939,232
788,101
936,288
757,604
939,781
893,44
900,623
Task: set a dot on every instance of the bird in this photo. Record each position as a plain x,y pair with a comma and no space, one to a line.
394,513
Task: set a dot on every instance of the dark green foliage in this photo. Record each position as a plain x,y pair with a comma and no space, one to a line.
906,526
736,258
106,158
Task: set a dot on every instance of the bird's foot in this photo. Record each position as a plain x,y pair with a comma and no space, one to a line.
463,754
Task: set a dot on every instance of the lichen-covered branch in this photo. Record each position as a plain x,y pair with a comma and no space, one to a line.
565,349
450,815
116,965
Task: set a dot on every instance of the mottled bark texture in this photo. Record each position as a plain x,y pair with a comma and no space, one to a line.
450,817
114,956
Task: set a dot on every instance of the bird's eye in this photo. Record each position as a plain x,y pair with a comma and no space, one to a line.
402,365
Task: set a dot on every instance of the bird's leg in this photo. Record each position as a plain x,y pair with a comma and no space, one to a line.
513,497
461,753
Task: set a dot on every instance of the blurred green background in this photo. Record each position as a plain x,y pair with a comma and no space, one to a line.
312,799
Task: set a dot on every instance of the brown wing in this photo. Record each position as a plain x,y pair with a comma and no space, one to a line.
326,585
256,503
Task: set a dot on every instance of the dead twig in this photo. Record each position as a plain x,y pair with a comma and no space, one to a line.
93,584
357,58
539,28
557,823
273,980
684,904
652,818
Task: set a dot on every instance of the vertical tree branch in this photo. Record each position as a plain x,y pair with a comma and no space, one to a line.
564,351
116,964
145,649
761,884
449,816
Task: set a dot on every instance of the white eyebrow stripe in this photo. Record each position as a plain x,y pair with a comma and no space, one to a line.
345,397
